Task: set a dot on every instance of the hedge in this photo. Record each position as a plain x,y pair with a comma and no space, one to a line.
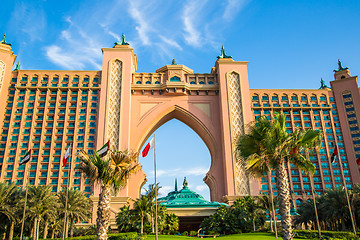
113,236
310,234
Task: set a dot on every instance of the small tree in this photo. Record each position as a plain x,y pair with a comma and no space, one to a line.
111,173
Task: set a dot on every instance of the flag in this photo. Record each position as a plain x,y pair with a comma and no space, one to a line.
148,147
335,153
104,149
358,161
66,156
26,158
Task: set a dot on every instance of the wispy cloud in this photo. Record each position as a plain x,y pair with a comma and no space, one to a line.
30,20
163,191
160,29
201,188
143,27
170,42
194,171
75,52
192,34
233,7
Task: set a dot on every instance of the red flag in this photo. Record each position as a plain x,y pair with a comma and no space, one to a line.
335,153
148,147
66,157
358,161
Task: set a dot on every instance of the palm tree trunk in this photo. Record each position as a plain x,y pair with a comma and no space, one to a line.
46,229
38,229
71,227
284,200
11,232
34,229
52,234
271,226
142,224
67,227
343,228
4,234
103,213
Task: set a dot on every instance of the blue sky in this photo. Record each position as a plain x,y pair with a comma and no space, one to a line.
289,44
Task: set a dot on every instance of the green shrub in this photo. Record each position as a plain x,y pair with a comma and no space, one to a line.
325,234
193,233
213,233
113,236
123,236
185,233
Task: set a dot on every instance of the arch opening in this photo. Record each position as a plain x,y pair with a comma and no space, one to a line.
180,152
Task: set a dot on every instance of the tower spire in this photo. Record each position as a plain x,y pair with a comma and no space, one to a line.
222,54
17,67
122,42
176,188
323,85
3,41
340,67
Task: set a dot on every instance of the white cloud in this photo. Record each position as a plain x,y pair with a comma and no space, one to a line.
201,188
56,55
152,26
191,13
196,171
163,191
143,27
233,7
170,42
30,20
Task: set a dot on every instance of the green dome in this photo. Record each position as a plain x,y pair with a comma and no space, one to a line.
185,198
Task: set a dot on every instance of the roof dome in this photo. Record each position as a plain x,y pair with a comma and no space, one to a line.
185,198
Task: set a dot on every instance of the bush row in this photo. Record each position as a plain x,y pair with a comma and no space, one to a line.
310,234
113,236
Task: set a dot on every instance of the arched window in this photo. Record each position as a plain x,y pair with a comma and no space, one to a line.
175,79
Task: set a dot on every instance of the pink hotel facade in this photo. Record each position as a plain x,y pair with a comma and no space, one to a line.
47,110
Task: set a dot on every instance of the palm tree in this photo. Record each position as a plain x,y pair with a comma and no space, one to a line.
266,204
7,204
142,208
268,145
124,219
111,173
335,206
78,207
306,212
41,202
150,194
172,222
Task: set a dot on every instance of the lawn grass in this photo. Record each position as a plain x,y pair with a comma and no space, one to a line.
243,236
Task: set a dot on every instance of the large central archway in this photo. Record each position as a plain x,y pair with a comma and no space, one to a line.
159,115
215,105
180,152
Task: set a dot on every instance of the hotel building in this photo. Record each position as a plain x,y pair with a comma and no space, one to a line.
48,111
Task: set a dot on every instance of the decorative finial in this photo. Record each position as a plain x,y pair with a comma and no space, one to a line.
123,42
176,189
173,62
323,85
17,67
3,41
185,183
340,67
223,55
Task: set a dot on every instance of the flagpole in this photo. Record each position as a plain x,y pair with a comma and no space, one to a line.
67,193
314,202
26,193
346,192
156,222
272,203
